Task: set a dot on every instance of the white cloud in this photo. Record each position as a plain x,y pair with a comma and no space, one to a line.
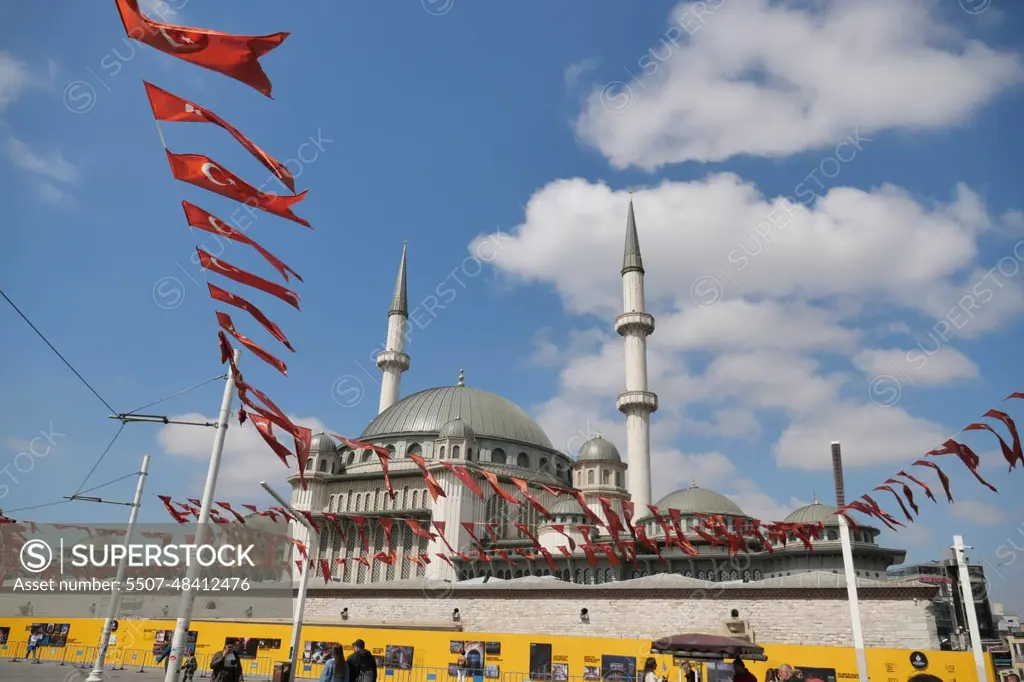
45,171
575,71
916,366
755,502
15,78
246,460
753,77
870,435
980,513
782,336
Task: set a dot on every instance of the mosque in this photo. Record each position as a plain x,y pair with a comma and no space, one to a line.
483,431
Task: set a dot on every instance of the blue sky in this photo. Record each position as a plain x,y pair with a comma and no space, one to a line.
451,123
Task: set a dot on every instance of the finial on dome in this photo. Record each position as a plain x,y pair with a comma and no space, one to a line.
462,378
693,482
816,498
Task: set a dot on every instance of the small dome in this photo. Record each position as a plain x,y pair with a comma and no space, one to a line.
699,500
813,513
456,428
323,443
567,507
598,449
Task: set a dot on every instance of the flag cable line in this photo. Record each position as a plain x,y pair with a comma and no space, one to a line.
63,359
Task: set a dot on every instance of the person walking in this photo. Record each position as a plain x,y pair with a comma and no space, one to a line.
33,646
164,656
189,667
227,664
650,671
362,666
740,672
335,669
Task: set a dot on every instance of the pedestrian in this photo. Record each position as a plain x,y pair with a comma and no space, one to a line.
227,664
32,650
335,669
164,656
650,671
362,666
786,673
689,674
772,675
926,677
189,667
740,672
1012,677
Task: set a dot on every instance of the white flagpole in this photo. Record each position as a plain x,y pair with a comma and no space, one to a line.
851,594
115,595
188,597
300,606
970,608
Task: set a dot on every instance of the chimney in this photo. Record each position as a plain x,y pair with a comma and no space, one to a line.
837,474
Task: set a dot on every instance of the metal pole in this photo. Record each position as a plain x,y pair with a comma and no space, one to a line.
115,595
851,594
300,606
967,598
188,597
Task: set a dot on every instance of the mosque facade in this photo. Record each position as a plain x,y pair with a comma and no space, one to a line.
483,431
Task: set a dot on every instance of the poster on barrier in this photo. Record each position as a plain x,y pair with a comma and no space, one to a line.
51,634
618,668
474,653
317,652
5,633
540,661
250,646
164,637
398,657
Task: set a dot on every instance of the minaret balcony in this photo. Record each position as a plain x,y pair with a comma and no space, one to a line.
392,359
631,323
632,400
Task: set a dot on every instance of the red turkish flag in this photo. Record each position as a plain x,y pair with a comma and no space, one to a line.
227,325
232,55
266,430
218,294
169,107
204,220
228,270
203,172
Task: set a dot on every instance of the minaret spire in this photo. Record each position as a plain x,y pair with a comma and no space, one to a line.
400,299
637,403
392,361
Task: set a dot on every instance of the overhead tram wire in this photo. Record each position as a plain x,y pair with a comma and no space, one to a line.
63,359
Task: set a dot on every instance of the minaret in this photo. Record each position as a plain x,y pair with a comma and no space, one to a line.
637,403
392,361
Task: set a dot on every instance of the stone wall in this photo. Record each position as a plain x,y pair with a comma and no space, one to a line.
890,618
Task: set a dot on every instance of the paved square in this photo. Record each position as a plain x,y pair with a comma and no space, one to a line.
54,672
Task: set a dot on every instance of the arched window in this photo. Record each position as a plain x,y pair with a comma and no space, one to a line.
469,454
579,577
366,456
588,578
496,512
590,477
351,458
309,464
455,452
618,479
528,517
359,503
376,500
405,497
566,575
442,452
426,504
543,463
391,452
606,477
414,449
415,499
323,466
523,460
498,456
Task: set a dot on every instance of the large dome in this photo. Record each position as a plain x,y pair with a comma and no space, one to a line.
598,450
813,513
699,500
487,414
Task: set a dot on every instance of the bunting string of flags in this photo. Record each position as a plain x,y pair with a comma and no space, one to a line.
237,57
628,540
